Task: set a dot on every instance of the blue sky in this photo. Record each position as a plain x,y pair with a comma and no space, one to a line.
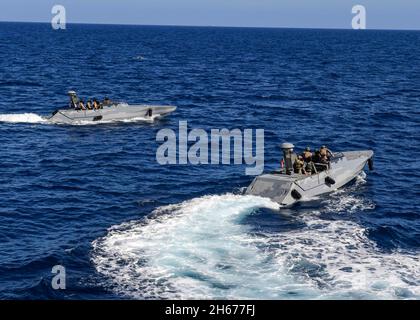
381,14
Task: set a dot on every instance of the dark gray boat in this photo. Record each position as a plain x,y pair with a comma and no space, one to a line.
114,111
286,187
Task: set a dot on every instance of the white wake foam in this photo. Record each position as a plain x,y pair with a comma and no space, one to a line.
201,249
35,118
22,118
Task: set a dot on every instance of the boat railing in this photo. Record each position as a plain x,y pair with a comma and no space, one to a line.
323,166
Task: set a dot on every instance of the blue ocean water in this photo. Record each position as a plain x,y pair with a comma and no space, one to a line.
94,199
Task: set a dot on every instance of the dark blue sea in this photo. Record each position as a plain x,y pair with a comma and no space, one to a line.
93,198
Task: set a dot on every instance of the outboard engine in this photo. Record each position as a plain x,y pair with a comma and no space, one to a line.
288,156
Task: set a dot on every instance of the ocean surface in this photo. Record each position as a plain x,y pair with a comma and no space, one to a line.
93,198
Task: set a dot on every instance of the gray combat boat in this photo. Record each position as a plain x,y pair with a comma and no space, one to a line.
286,187
110,111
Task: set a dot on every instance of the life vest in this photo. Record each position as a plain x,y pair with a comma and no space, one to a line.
307,155
298,166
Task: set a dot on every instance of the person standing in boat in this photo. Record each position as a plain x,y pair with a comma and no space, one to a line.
307,158
325,152
299,165
310,168
307,155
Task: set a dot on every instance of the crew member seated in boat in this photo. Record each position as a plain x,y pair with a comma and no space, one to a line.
310,168
82,105
320,162
324,162
96,104
324,159
324,151
89,105
106,102
299,165
307,155
316,157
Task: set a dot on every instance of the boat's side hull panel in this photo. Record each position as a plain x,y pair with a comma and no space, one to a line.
111,113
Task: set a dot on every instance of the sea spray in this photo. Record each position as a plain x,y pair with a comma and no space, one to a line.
202,249
22,118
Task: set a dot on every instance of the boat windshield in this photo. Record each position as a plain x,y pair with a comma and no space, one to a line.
336,156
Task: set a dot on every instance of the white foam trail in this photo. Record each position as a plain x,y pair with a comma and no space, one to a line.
22,118
338,258
139,58
201,249
35,118
196,250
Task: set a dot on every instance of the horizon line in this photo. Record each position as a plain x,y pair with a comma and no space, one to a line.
211,26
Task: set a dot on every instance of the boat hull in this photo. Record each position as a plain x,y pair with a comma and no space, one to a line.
288,189
118,112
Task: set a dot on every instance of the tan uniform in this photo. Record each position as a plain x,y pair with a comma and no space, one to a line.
298,166
326,152
307,155
310,168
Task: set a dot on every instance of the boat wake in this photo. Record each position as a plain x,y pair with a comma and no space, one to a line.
35,118
22,118
202,248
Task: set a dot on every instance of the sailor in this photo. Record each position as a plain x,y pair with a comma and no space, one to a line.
310,168
107,101
299,165
74,100
95,104
325,163
89,105
316,157
324,151
73,105
324,159
307,155
82,105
